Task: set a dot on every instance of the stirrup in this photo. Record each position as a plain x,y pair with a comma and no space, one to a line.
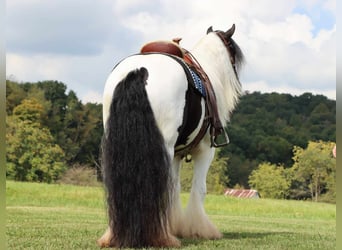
214,138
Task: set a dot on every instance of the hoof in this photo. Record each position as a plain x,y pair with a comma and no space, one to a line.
169,242
166,241
172,241
104,241
201,229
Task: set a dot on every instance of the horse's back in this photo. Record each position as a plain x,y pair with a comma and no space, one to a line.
166,88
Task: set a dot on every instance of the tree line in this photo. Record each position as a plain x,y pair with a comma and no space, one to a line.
50,130
266,128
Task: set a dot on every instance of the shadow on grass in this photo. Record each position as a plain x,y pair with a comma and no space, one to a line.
251,235
234,236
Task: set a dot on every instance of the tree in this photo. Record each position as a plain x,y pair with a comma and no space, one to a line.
265,128
315,168
54,92
270,181
31,153
93,131
14,95
29,110
83,129
75,127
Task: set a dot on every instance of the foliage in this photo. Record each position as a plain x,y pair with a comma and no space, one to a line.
31,153
186,173
74,127
217,180
263,128
14,95
270,181
266,127
315,169
30,110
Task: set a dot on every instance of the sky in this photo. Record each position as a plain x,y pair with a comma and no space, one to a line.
289,45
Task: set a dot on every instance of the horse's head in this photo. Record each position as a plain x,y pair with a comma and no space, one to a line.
234,51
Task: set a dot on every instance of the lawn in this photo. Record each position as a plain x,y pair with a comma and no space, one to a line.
42,216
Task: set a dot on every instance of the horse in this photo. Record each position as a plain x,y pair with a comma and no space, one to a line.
151,115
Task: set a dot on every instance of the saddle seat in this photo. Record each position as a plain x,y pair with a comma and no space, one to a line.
168,47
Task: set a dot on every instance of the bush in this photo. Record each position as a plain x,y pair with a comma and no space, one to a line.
80,175
31,153
270,181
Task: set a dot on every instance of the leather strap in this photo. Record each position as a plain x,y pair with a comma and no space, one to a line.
216,128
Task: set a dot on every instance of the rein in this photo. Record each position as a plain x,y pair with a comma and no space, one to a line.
229,48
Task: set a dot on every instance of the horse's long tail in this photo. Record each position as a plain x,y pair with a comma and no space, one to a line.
136,167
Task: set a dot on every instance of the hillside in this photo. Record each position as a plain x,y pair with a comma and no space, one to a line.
266,127
263,128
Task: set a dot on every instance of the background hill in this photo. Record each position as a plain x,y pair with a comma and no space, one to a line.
49,130
266,127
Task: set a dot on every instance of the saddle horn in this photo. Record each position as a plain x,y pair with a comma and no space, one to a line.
230,32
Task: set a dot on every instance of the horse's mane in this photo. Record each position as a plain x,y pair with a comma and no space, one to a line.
239,56
223,71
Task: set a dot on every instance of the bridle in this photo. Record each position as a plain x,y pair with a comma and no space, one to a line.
230,48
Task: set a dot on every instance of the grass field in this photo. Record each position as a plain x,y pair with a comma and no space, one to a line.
42,216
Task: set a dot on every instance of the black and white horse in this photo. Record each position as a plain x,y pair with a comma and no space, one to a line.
145,107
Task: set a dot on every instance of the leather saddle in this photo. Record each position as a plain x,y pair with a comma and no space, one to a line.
172,48
168,47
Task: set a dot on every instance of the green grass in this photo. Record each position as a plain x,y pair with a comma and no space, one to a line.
42,216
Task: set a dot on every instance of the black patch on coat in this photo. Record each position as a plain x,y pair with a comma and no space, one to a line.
191,116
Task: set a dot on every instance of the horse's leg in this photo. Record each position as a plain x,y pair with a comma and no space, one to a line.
197,223
176,213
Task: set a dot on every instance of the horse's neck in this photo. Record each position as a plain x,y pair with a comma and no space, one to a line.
212,55
209,51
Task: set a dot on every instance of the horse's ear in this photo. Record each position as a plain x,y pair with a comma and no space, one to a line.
210,29
230,32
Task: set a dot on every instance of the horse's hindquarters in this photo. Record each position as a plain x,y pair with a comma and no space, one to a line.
136,167
166,88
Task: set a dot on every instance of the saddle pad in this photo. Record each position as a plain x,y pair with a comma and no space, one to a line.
197,82
193,78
